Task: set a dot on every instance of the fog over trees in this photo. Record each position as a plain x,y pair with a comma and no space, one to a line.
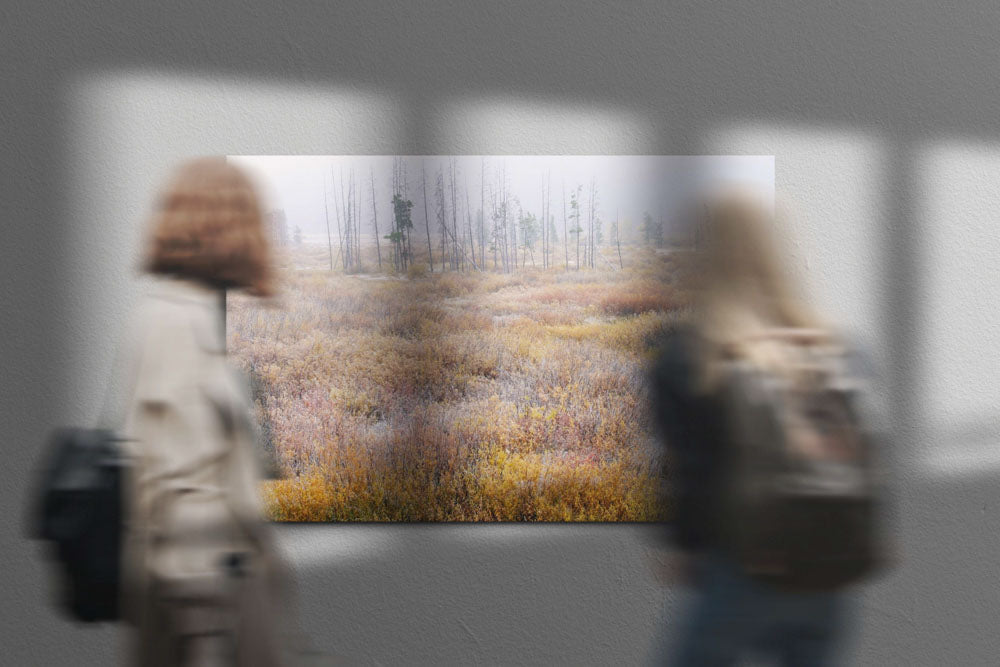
489,213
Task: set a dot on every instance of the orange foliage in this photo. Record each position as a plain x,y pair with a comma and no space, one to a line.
458,396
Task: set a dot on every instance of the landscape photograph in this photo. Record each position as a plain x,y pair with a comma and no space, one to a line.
468,338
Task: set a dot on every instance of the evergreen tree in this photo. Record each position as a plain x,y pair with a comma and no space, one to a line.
647,228
401,224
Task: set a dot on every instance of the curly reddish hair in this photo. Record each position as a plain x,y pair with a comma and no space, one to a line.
208,227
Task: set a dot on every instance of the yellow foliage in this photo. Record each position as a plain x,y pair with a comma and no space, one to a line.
459,396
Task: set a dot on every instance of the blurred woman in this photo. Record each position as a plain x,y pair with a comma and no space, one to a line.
200,573
741,292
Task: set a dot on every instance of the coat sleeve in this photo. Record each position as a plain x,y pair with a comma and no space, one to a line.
235,411
687,465
149,420
186,492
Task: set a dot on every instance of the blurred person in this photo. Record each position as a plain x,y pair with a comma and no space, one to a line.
200,573
763,581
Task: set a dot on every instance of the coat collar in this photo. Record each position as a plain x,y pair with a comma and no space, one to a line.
204,306
179,289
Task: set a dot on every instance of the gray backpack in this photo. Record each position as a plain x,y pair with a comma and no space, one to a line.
799,488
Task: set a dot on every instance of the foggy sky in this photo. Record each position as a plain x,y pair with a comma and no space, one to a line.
627,186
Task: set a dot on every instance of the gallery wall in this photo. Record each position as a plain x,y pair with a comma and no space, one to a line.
882,123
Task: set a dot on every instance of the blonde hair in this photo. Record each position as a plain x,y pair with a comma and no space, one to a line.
742,289
208,227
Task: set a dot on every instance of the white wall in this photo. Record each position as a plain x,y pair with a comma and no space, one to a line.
882,122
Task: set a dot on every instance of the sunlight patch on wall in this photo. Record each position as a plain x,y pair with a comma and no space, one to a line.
309,545
959,189
963,452
829,189
501,125
127,130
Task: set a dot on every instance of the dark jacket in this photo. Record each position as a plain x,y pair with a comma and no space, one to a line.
691,427
691,430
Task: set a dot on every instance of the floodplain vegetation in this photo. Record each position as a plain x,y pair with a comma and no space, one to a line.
459,396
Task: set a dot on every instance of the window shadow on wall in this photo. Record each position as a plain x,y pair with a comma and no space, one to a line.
697,68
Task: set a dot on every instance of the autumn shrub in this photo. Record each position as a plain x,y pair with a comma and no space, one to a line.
452,396
416,271
636,298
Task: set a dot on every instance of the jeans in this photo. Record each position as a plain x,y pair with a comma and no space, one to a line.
732,617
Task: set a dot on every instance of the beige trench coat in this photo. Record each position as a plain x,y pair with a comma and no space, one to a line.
199,570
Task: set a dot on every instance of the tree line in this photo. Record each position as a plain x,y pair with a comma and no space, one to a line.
496,235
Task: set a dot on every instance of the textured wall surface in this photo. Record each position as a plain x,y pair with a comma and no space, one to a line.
882,118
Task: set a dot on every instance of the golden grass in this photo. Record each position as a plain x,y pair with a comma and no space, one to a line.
458,396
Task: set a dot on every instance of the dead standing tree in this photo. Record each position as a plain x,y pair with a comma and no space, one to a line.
592,226
358,260
348,242
574,205
472,237
336,208
546,212
494,228
441,210
544,247
378,244
500,234
482,212
453,252
565,229
326,210
454,214
427,223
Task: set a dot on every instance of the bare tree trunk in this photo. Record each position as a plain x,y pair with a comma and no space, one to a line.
340,233
482,208
446,232
565,228
513,241
578,228
472,236
395,222
592,240
353,198
427,224
589,250
442,219
545,223
494,226
462,264
454,212
349,203
349,216
511,250
503,239
378,243
357,216
544,255
468,215
326,210
347,224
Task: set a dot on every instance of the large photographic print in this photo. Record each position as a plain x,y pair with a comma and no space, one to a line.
467,338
